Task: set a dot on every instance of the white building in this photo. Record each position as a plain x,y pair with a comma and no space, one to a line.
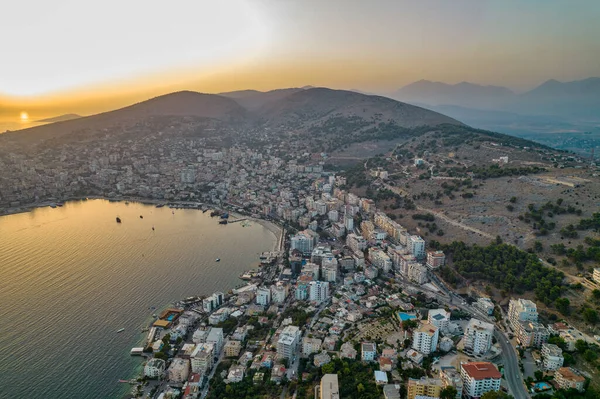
355,242
329,272
263,296
416,246
417,273
154,368
479,378
478,336
202,358
318,291
486,305
279,293
236,374
521,310
439,318
215,336
329,388
304,241
553,357
425,338
288,342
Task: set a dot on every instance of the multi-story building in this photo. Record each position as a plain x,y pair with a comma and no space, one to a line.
312,269
329,272
418,273
215,336
380,259
416,246
236,374
179,370
553,357
566,378
368,351
288,342
202,358
318,291
154,368
425,338
435,259
532,334
263,296
304,241
329,388
429,387
278,293
451,377
596,275
521,310
486,305
310,346
479,378
478,336
439,318
232,348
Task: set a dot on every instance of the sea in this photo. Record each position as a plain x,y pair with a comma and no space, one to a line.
71,276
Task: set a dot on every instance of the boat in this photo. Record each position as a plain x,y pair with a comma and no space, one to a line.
160,205
60,203
120,330
53,205
118,219
141,217
225,215
224,221
218,260
152,228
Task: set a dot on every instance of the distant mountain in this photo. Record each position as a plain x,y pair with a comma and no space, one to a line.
464,94
60,118
318,105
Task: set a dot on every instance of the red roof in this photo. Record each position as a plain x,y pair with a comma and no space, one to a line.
481,370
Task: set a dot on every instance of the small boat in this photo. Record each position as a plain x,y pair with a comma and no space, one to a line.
173,212
224,221
53,205
118,219
218,260
154,315
225,215
60,203
152,228
120,330
160,205
141,217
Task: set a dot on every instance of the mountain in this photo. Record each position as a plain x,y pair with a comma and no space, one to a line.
463,94
175,105
252,100
318,105
60,118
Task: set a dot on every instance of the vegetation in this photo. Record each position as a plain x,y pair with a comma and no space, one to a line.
509,268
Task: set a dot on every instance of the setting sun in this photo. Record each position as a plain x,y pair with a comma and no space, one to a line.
24,116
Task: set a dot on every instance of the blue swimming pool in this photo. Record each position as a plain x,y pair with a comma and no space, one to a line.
542,386
405,316
171,317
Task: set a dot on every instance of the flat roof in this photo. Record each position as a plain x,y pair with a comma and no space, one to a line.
481,370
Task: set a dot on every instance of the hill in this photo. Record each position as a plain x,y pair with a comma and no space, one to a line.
60,118
175,105
252,100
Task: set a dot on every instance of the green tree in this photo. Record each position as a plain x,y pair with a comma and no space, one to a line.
563,305
496,395
538,375
590,316
448,393
590,355
596,294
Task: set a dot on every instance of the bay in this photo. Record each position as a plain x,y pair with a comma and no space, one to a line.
70,277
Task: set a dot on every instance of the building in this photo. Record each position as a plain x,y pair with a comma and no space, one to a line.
439,318
521,310
446,344
435,259
391,391
288,342
381,377
215,336
553,357
232,348
347,351
418,273
485,305
310,346
318,291
356,243
154,368
368,351
478,336
596,275
532,334
424,387
566,378
236,374
278,293
479,378
304,241
329,272
451,377
329,388
321,359
425,338
263,296
179,370
202,358
416,246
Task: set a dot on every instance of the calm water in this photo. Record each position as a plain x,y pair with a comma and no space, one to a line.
71,277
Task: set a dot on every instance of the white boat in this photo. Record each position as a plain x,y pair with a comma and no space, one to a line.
120,330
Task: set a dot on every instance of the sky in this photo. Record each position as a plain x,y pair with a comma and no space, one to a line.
87,56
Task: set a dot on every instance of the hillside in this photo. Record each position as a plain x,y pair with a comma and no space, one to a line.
252,100
60,118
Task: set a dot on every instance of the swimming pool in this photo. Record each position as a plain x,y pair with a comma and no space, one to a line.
542,386
405,316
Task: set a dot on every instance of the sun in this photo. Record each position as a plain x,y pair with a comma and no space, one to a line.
24,116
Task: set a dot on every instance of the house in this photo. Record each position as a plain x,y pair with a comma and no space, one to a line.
479,378
385,364
381,377
368,351
236,374
321,359
347,351
566,378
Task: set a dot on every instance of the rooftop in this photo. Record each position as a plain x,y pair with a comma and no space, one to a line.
481,370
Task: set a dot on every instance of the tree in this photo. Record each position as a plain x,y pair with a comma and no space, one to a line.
538,375
448,393
563,305
590,355
596,294
496,395
590,316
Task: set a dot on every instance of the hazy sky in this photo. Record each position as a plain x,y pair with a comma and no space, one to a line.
54,49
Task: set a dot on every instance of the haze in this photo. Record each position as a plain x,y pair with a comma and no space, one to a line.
85,57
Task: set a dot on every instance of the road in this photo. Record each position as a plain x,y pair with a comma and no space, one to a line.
512,371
